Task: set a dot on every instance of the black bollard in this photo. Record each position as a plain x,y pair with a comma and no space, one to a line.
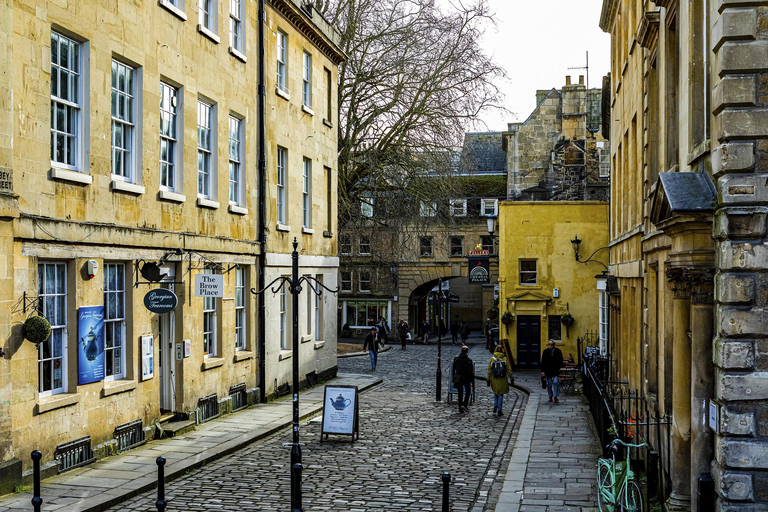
297,506
446,481
160,485
37,501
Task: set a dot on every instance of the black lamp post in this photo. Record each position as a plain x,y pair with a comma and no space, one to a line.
576,244
294,287
439,372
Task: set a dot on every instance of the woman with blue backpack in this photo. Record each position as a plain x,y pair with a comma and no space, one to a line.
499,378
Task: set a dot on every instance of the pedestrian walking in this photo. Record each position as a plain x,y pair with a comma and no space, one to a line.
372,345
464,332
455,333
499,370
403,332
551,362
383,328
488,335
463,377
425,331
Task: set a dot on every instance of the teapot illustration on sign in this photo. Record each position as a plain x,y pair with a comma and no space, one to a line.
340,403
89,344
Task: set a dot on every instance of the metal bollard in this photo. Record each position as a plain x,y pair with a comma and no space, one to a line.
161,504
297,506
37,501
446,481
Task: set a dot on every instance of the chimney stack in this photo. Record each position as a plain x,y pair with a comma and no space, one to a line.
567,79
581,79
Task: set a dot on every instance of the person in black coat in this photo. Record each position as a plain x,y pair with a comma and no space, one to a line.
463,377
371,344
551,362
455,333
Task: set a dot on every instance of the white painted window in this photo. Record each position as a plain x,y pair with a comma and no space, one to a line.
236,19
345,245
123,122
52,353
346,281
489,207
284,319
428,209
282,160
603,320
364,281
365,246
458,207
307,80
604,153
170,150
309,309
114,320
205,160
528,272
319,311
282,52
366,206
210,318
240,294
236,181
208,9
307,194
67,114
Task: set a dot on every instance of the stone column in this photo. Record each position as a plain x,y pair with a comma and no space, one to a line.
680,497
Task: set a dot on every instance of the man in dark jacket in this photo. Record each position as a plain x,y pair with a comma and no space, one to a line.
402,332
551,362
372,345
463,377
455,333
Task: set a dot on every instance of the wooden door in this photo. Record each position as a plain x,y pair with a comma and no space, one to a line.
528,341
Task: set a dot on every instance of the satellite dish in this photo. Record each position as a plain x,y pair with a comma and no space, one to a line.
151,272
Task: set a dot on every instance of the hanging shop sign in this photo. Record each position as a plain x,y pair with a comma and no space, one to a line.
90,354
340,412
209,285
160,301
479,270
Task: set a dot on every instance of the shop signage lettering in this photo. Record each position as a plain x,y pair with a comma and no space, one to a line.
6,179
479,271
160,301
209,285
90,354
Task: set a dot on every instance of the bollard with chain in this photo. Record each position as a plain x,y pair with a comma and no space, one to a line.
297,506
160,485
37,501
446,481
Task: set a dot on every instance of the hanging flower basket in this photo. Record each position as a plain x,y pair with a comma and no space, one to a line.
493,312
36,329
567,320
507,318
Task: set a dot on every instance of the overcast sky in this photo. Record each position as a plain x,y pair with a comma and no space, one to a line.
536,41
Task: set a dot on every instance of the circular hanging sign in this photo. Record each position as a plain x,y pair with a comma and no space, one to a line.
160,301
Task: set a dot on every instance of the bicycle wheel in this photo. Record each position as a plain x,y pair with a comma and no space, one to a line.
630,499
604,489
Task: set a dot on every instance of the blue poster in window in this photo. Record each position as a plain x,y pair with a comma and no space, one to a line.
90,336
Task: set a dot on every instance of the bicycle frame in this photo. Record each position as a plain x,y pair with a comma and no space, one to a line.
612,485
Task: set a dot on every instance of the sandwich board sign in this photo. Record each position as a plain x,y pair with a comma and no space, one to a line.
340,412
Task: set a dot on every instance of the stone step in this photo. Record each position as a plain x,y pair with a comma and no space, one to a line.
176,428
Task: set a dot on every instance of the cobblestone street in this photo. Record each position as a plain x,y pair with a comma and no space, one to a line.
407,441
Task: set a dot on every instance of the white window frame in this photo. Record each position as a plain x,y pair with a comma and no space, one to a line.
603,308
306,191
240,312
123,138
366,206
236,164
283,319
364,281
210,323
237,25
494,207
282,190
319,311
208,11
307,80
604,156
458,207
170,109
282,61
428,209
535,272
345,245
309,311
364,245
206,149
114,320
345,280
69,105
53,304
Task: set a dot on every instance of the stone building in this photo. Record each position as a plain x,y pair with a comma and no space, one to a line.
688,236
129,154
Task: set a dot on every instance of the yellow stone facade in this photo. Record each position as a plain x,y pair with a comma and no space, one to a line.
71,212
539,277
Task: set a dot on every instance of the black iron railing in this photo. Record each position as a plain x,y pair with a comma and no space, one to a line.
208,407
74,454
238,397
130,435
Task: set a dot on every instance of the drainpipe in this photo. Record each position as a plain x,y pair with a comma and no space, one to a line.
262,236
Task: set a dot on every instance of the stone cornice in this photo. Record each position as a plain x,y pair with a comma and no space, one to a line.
608,14
327,43
648,32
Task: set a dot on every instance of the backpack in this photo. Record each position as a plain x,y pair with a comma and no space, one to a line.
499,368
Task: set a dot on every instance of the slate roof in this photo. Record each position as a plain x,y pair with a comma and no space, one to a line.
688,191
482,153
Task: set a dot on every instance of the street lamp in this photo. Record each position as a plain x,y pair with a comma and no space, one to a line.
294,287
491,221
576,244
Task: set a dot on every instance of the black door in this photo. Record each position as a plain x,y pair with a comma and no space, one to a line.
528,341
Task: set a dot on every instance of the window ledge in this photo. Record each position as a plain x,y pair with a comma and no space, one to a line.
306,338
204,202
327,123
363,254
365,291
173,9
173,197
283,227
329,234
73,176
53,402
209,363
243,355
285,354
238,210
237,54
308,231
208,33
124,186
283,94
319,344
117,386
308,110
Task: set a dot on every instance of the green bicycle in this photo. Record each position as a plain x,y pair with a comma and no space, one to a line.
616,486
